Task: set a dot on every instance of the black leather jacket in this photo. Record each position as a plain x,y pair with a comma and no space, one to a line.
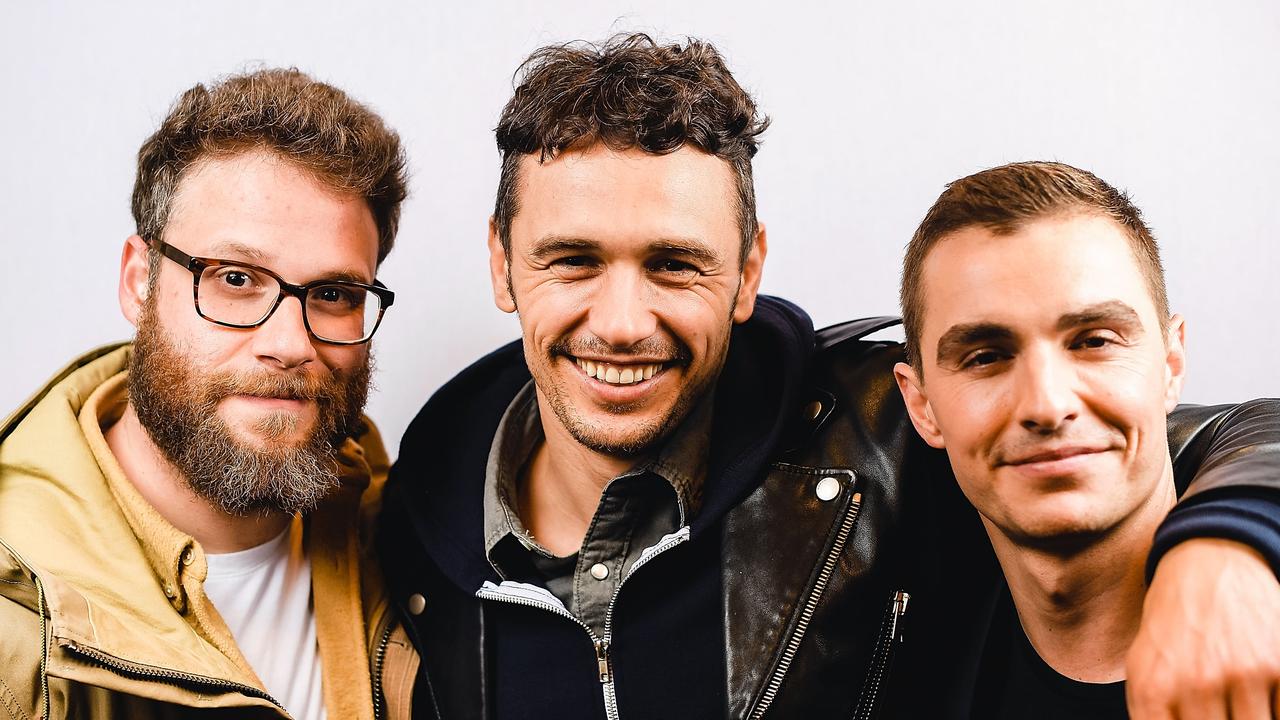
847,526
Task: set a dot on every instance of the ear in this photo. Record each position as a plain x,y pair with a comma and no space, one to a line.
918,406
752,269
134,268
500,270
1175,361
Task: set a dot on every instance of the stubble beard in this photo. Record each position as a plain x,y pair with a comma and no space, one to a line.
177,405
641,436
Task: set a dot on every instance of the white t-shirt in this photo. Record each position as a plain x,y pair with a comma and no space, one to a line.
264,594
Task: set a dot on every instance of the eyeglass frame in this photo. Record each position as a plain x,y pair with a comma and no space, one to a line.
197,265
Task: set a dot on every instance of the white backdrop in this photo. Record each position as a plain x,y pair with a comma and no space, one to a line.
875,107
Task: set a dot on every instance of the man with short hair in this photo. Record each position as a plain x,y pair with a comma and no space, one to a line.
1043,358
672,498
180,517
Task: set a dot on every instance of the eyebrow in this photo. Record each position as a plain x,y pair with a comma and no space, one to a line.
957,338
1112,312
234,248
694,249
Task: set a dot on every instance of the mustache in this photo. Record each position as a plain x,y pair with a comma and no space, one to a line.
650,347
287,386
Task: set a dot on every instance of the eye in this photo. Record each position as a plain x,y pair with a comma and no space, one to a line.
574,267
673,269
984,358
338,295
1095,340
235,279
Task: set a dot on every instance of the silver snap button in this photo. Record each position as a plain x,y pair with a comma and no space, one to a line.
417,604
599,571
813,410
188,557
169,592
828,488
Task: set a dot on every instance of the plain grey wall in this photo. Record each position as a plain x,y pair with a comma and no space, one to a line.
875,107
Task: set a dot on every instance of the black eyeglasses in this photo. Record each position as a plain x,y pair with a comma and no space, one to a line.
240,295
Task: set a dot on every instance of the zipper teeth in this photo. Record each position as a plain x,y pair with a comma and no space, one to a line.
379,657
811,604
44,651
173,676
883,651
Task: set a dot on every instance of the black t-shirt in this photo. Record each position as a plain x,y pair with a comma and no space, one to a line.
1014,683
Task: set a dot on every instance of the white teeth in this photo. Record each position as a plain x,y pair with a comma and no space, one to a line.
618,375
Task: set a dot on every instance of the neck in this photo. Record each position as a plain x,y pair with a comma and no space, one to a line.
1080,608
561,488
162,485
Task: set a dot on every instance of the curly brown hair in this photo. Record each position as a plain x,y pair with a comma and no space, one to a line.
315,126
1006,198
628,92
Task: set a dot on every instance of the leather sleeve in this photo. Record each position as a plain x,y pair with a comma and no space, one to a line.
1226,461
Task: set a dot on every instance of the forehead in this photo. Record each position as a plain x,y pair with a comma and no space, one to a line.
286,218
628,195
1031,277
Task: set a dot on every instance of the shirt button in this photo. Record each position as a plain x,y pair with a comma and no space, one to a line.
599,571
828,488
169,592
188,557
417,604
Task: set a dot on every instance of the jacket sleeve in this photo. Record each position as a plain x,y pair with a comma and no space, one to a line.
1228,459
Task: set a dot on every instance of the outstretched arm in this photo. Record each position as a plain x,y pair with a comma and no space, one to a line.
1209,643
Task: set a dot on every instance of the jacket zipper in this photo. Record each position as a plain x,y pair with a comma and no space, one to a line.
125,667
601,644
604,664
810,605
379,657
883,654
44,651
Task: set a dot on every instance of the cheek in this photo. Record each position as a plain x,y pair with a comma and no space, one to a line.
970,415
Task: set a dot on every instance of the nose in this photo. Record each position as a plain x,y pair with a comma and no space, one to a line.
282,341
1047,399
620,313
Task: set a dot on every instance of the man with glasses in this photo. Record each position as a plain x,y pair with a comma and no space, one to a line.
180,516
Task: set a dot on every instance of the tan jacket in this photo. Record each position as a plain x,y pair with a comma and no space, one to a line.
102,607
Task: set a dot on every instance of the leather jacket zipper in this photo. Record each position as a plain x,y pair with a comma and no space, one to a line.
604,664
810,605
379,657
890,636
175,677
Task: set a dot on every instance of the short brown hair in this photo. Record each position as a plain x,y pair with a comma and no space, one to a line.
628,93
1006,198
315,126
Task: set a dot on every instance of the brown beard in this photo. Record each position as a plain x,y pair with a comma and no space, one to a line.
177,404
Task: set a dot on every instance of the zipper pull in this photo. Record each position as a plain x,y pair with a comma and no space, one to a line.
602,660
900,601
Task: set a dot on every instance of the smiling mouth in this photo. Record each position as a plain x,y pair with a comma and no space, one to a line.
618,374
1055,455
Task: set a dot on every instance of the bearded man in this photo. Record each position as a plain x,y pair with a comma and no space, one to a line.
180,516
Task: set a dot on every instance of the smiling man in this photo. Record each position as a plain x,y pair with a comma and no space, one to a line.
1045,361
180,516
671,497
